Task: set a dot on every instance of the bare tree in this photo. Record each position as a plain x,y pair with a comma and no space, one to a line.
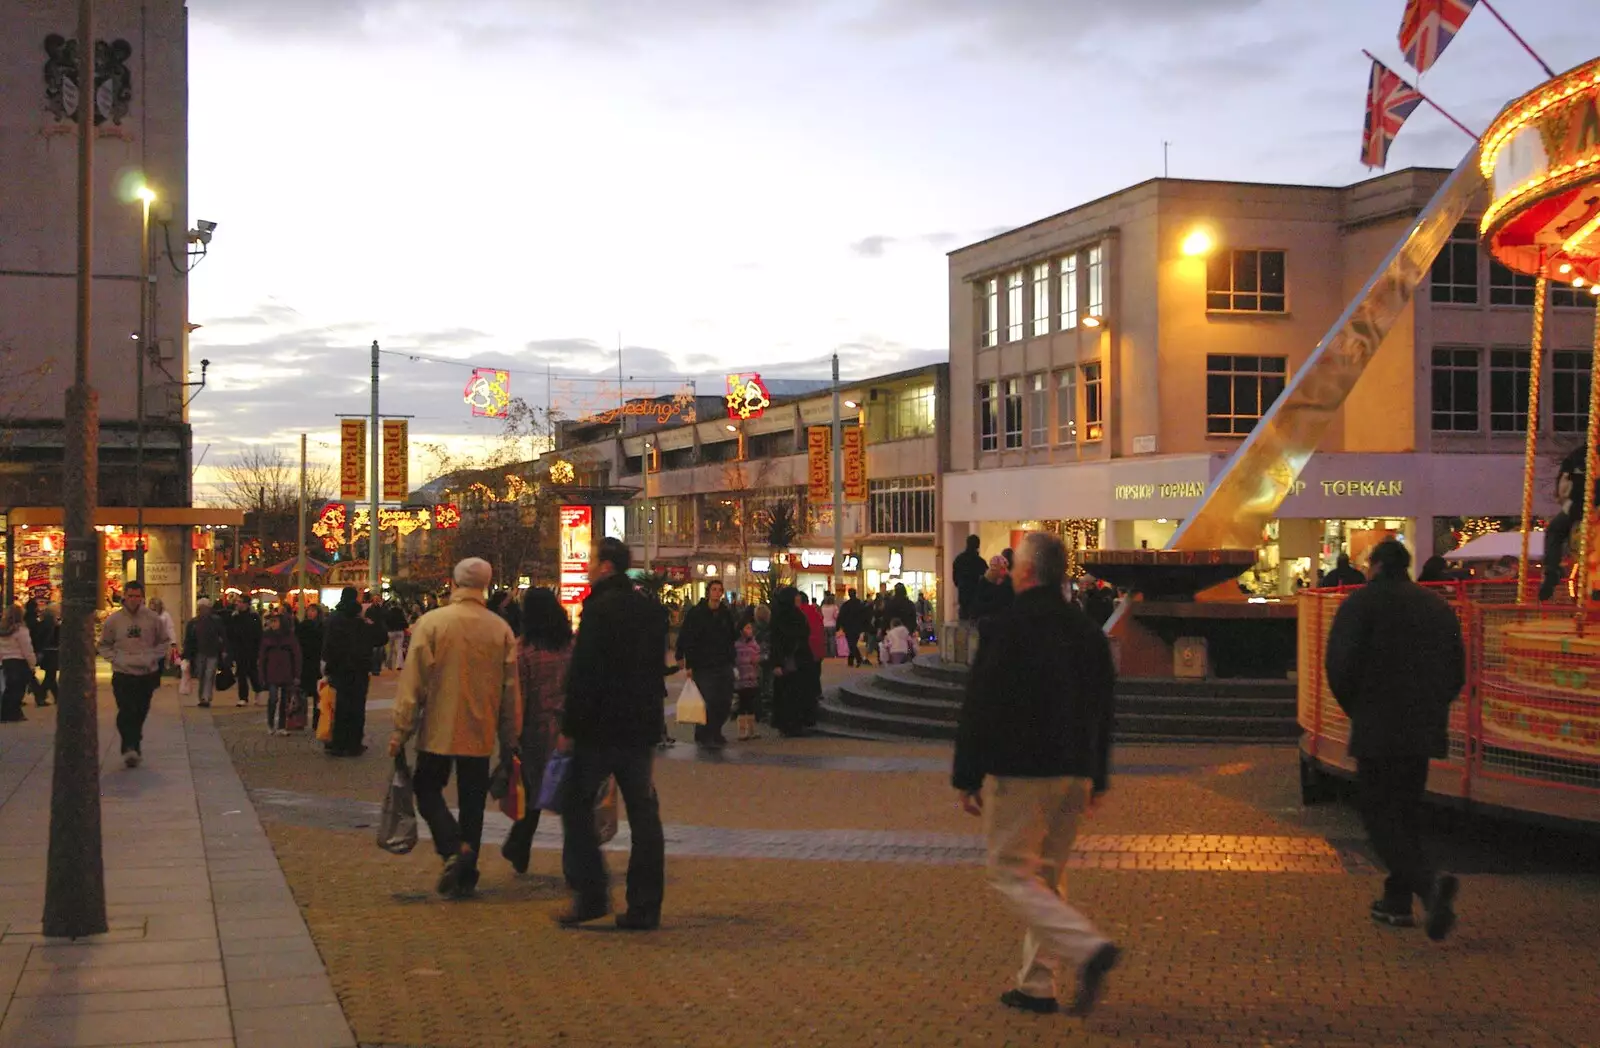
265,483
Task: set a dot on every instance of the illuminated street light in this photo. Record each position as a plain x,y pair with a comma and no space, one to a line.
1093,320
1198,242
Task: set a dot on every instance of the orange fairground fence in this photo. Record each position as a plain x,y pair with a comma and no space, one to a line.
1525,734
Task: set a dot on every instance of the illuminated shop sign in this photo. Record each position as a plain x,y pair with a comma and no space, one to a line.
576,538
1354,488
1189,489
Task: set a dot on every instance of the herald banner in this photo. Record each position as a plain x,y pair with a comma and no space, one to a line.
396,460
819,472
353,458
853,441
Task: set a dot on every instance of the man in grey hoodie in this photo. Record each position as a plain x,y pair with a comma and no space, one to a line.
134,640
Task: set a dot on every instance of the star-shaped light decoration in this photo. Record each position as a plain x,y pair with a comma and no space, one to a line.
561,472
747,396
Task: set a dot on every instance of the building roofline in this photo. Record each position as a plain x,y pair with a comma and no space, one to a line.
1137,186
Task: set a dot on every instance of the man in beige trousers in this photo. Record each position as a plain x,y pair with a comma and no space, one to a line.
458,692
1032,757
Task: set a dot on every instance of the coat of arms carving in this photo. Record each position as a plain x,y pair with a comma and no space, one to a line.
113,81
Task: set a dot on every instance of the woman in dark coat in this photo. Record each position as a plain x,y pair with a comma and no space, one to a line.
309,633
38,634
347,649
542,657
791,659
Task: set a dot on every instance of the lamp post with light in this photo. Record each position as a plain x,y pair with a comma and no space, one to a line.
146,197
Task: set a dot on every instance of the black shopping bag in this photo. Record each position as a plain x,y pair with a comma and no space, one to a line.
397,826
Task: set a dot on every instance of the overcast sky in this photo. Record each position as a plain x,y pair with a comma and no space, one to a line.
720,184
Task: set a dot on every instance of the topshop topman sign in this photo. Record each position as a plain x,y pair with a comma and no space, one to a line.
1194,489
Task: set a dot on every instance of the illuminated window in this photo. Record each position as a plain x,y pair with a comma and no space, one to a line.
1041,299
1246,282
901,506
1569,390
988,416
1239,390
989,328
1068,268
1014,306
1094,412
1508,390
1038,410
909,413
1455,389
1455,271
1067,406
1508,288
1097,290
1013,413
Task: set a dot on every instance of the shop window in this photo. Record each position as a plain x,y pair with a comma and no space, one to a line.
678,458
1068,268
1038,410
1041,299
633,464
900,414
1094,414
1569,391
1508,390
989,314
988,416
1014,306
1067,406
1248,281
770,445
1455,390
1507,288
901,506
1455,272
1239,390
1013,413
1570,297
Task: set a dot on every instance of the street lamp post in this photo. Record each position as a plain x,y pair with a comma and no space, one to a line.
838,481
147,197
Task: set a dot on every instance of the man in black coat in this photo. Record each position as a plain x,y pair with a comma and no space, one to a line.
854,619
1033,755
1343,574
1395,663
967,572
705,648
347,647
244,644
615,690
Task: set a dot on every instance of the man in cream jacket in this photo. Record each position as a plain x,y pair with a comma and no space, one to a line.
134,640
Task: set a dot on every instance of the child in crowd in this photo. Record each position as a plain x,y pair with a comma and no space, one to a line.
897,644
747,679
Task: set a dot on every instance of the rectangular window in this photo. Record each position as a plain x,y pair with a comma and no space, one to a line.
1041,299
1239,390
1038,410
900,506
1572,297
1569,391
1508,390
1507,288
1097,290
989,308
907,413
1067,406
1068,268
1455,390
1013,413
1094,415
988,416
1014,306
1246,282
1455,271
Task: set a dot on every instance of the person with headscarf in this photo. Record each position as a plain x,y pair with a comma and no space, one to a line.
347,649
791,657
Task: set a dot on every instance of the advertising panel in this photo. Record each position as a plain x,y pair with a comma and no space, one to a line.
396,460
819,472
353,458
853,440
576,538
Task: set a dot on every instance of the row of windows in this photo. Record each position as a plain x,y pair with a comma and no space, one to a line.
897,506
1069,282
900,506
1052,408
1459,379
1457,277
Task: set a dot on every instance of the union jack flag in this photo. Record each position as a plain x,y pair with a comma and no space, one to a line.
1428,27
1389,101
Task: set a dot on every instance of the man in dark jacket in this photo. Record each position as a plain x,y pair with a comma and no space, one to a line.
967,573
705,648
615,690
1343,574
347,649
1035,738
244,644
1395,663
854,619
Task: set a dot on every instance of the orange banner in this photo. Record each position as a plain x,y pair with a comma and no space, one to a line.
396,460
352,458
819,472
854,442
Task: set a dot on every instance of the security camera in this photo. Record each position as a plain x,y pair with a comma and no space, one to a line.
202,234
205,227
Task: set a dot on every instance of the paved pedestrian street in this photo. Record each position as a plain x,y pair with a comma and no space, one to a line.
828,892
820,892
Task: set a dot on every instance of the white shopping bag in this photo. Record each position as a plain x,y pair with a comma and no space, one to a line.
185,682
691,707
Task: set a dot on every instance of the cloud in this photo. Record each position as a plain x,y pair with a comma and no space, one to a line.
871,247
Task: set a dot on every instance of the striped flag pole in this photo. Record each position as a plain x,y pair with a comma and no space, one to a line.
1518,38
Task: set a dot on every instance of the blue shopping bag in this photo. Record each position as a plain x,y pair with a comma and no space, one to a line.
552,788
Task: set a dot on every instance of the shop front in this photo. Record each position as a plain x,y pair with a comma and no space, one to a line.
885,567
813,571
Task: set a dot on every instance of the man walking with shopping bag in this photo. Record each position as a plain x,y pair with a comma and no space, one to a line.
458,693
1032,757
705,647
615,692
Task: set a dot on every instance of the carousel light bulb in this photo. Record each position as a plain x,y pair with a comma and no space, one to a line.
1566,267
1577,281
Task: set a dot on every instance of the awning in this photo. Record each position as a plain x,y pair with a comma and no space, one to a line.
1498,544
128,516
292,567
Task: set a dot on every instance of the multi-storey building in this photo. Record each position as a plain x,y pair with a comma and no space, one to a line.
140,110
1107,360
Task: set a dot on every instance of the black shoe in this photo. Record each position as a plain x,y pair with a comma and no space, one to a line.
1092,981
468,880
203,705
517,857
1394,914
1441,906
583,912
639,921
460,876
1027,1002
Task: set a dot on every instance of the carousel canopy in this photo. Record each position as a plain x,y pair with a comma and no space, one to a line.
292,565
1499,544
